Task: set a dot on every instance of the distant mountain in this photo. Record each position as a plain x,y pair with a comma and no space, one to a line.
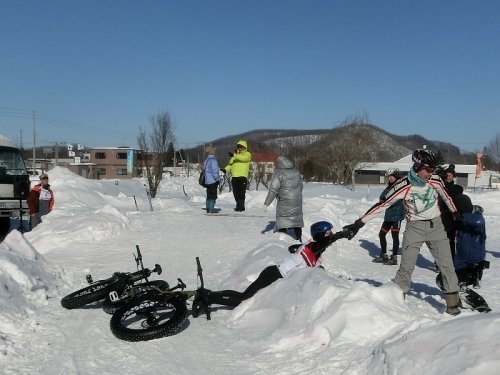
382,145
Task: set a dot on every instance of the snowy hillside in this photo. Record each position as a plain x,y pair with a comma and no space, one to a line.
347,319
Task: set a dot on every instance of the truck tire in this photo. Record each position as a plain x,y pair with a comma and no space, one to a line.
4,225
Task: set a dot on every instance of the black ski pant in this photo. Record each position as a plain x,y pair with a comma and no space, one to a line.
233,298
212,191
296,230
239,185
394,227
449,227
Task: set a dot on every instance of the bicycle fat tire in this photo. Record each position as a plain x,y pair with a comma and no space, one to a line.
149,317
93,293
140,290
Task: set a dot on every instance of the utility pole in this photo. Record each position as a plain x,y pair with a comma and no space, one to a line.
34,141
175,159
57,153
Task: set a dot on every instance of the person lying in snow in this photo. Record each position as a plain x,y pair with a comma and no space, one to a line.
301,256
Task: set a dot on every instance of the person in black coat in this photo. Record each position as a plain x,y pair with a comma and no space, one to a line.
448,175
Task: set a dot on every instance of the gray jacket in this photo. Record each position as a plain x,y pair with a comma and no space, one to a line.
286,187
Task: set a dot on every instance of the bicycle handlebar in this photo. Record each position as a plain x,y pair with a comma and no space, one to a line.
141,274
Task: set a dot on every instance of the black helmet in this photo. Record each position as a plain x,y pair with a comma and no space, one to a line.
424,158
319,229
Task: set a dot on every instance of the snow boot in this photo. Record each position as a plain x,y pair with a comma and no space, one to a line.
210,206
392,261
452,303
383,258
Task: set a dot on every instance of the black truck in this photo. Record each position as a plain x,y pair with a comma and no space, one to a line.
14,184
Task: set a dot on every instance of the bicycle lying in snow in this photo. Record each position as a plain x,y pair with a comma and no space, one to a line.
159,312
120,286
141,309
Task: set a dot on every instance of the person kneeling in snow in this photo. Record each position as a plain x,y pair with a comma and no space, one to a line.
302,256
470,252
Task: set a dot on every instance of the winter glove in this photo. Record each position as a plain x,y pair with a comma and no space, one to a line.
230,154
223,171
352,229
292,249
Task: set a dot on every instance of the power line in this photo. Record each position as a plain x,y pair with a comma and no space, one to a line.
44,118
53,120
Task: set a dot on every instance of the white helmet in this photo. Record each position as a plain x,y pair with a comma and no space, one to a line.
392,172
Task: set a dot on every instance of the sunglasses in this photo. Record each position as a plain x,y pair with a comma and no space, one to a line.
239,146
427,169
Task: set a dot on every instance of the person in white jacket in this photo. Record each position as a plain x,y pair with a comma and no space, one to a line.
419,192
301,256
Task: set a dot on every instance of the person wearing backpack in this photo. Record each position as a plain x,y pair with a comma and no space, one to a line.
212,178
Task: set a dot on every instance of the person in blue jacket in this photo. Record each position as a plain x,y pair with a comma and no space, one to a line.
470,242
470,254
212,178
393,217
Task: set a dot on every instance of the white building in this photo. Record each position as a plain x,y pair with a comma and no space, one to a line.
466,174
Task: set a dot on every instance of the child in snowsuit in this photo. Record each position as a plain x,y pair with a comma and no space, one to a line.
470,243
470,255
302,255
471,247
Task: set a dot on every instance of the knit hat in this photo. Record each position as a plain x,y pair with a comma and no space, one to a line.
44,175
450,169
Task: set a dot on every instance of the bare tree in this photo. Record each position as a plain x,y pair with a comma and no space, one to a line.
157,144
493,149
348,151
259,174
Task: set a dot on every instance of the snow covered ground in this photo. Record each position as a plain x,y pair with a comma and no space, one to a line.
347,319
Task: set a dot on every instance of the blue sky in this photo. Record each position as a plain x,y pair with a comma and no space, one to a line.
96,71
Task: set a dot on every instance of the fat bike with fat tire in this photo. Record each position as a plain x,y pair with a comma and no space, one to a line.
158,313
114,286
